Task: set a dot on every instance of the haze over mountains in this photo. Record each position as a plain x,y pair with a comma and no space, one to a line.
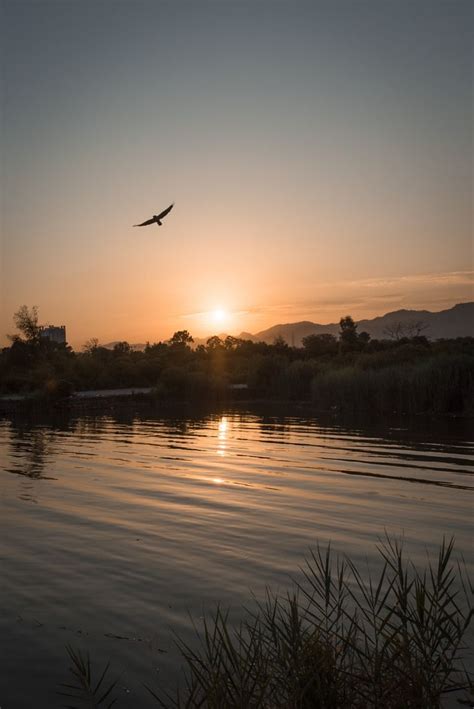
457,321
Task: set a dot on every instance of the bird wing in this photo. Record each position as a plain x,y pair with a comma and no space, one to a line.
165,211
148,221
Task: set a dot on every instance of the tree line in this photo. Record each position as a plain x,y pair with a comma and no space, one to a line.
404,372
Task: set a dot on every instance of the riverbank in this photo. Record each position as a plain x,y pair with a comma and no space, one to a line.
410,376
143,399
93,397
104,398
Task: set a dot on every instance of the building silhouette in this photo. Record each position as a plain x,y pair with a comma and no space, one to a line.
55,333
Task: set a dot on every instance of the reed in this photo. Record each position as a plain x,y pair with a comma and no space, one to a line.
87,692
391,638
442,384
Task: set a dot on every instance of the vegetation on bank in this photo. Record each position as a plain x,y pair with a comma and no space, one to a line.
343,638
405,373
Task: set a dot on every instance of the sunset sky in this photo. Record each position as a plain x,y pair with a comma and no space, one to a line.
319,155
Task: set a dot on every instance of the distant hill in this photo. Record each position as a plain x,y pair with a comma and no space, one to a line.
457,321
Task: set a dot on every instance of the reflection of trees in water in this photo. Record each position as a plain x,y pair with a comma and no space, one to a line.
33,437
89,425
31,448
184,427
178,420
274,424
27,491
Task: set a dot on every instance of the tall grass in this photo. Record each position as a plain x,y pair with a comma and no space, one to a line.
87,691
444,384
391,639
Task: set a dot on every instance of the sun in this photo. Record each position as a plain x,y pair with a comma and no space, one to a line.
219,319
219,316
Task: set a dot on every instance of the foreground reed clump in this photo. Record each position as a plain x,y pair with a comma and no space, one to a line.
341,639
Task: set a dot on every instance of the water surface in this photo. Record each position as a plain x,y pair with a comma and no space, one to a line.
117,528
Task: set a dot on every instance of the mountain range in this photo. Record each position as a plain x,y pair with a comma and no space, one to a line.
457,321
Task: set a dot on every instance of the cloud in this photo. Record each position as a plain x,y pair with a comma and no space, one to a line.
375,296
424,279
327,302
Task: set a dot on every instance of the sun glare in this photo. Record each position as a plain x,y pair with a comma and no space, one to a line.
219,316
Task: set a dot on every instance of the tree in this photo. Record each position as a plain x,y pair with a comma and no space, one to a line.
416,327
90,345
156,348
280,345
318,345
26,322
214,343
231,342
181,338
399,330
122,348
395,331
348,331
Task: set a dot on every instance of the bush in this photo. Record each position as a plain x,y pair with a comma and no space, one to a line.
299,375
57,389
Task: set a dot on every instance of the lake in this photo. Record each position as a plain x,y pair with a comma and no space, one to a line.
119,529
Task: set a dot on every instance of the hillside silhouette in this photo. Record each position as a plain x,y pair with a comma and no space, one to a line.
457,321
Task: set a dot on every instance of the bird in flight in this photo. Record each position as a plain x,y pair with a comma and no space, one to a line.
156,218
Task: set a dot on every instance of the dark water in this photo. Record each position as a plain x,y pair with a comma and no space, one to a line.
115,528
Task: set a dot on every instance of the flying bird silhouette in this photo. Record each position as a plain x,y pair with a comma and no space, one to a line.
156,218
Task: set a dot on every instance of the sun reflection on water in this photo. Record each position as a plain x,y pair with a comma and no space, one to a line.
222,436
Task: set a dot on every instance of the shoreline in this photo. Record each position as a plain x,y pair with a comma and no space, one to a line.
104,400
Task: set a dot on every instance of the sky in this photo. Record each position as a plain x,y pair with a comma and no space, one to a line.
319,155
